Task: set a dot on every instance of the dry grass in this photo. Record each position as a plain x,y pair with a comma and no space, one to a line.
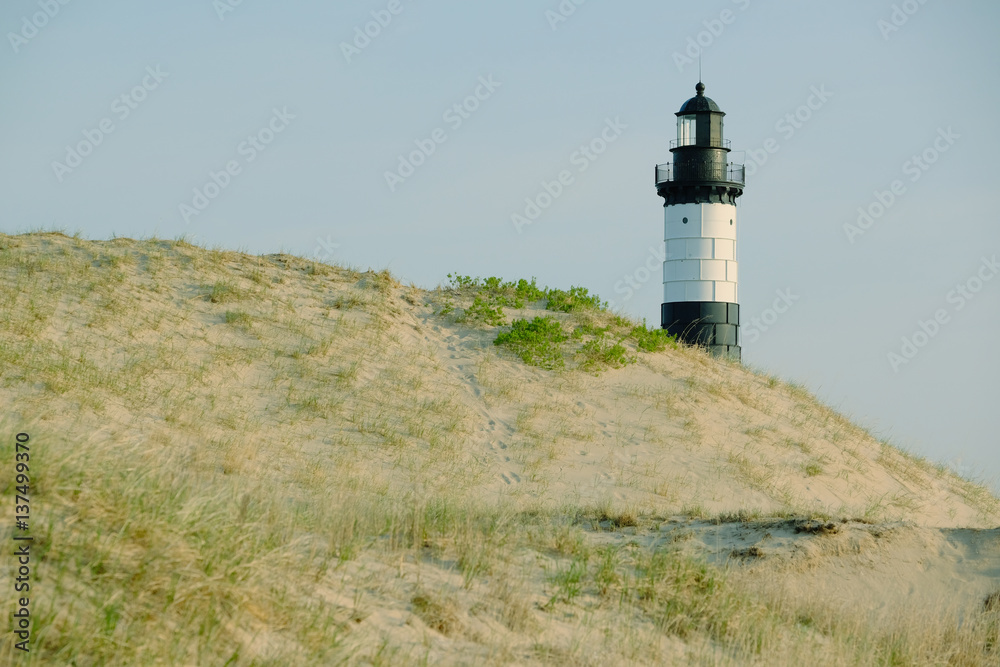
261,461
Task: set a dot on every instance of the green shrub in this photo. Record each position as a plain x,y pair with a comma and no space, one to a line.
529,292
577,298
588,330
602,352
510,294
481,310
495,284
536,341
494,294
516,294
652,340
462,282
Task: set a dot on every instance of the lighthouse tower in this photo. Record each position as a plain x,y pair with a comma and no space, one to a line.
699,191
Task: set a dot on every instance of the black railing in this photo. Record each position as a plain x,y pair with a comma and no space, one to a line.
712,143
731,173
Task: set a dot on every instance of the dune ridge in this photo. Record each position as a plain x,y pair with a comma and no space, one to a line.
286,462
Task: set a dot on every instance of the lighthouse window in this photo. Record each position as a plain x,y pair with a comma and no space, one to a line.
685,221
730,221
686,130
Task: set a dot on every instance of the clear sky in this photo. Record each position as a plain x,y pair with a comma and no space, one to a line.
268,126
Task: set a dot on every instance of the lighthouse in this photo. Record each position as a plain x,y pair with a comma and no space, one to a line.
699,190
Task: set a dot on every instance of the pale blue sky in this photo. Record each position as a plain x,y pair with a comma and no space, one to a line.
321,182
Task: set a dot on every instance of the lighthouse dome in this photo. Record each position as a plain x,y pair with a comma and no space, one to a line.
699,102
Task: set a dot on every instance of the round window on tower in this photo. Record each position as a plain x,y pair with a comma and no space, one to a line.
685,221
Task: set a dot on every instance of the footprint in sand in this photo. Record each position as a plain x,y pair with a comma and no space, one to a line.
493,448
517,480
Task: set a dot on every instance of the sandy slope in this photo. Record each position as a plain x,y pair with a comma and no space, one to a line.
678,431
884,569
312,376
674,431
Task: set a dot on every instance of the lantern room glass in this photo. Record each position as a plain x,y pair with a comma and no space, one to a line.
686,130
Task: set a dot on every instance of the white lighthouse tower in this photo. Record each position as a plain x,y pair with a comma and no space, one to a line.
699,190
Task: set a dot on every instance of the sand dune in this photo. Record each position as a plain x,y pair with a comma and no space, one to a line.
293,463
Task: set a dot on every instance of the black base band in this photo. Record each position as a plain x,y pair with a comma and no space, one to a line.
706,323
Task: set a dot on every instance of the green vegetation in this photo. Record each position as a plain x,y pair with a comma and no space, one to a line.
604,340
575,299
491,296
224,291
601,352
485,310
239,318
569,581
512,294
652,340
535,341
